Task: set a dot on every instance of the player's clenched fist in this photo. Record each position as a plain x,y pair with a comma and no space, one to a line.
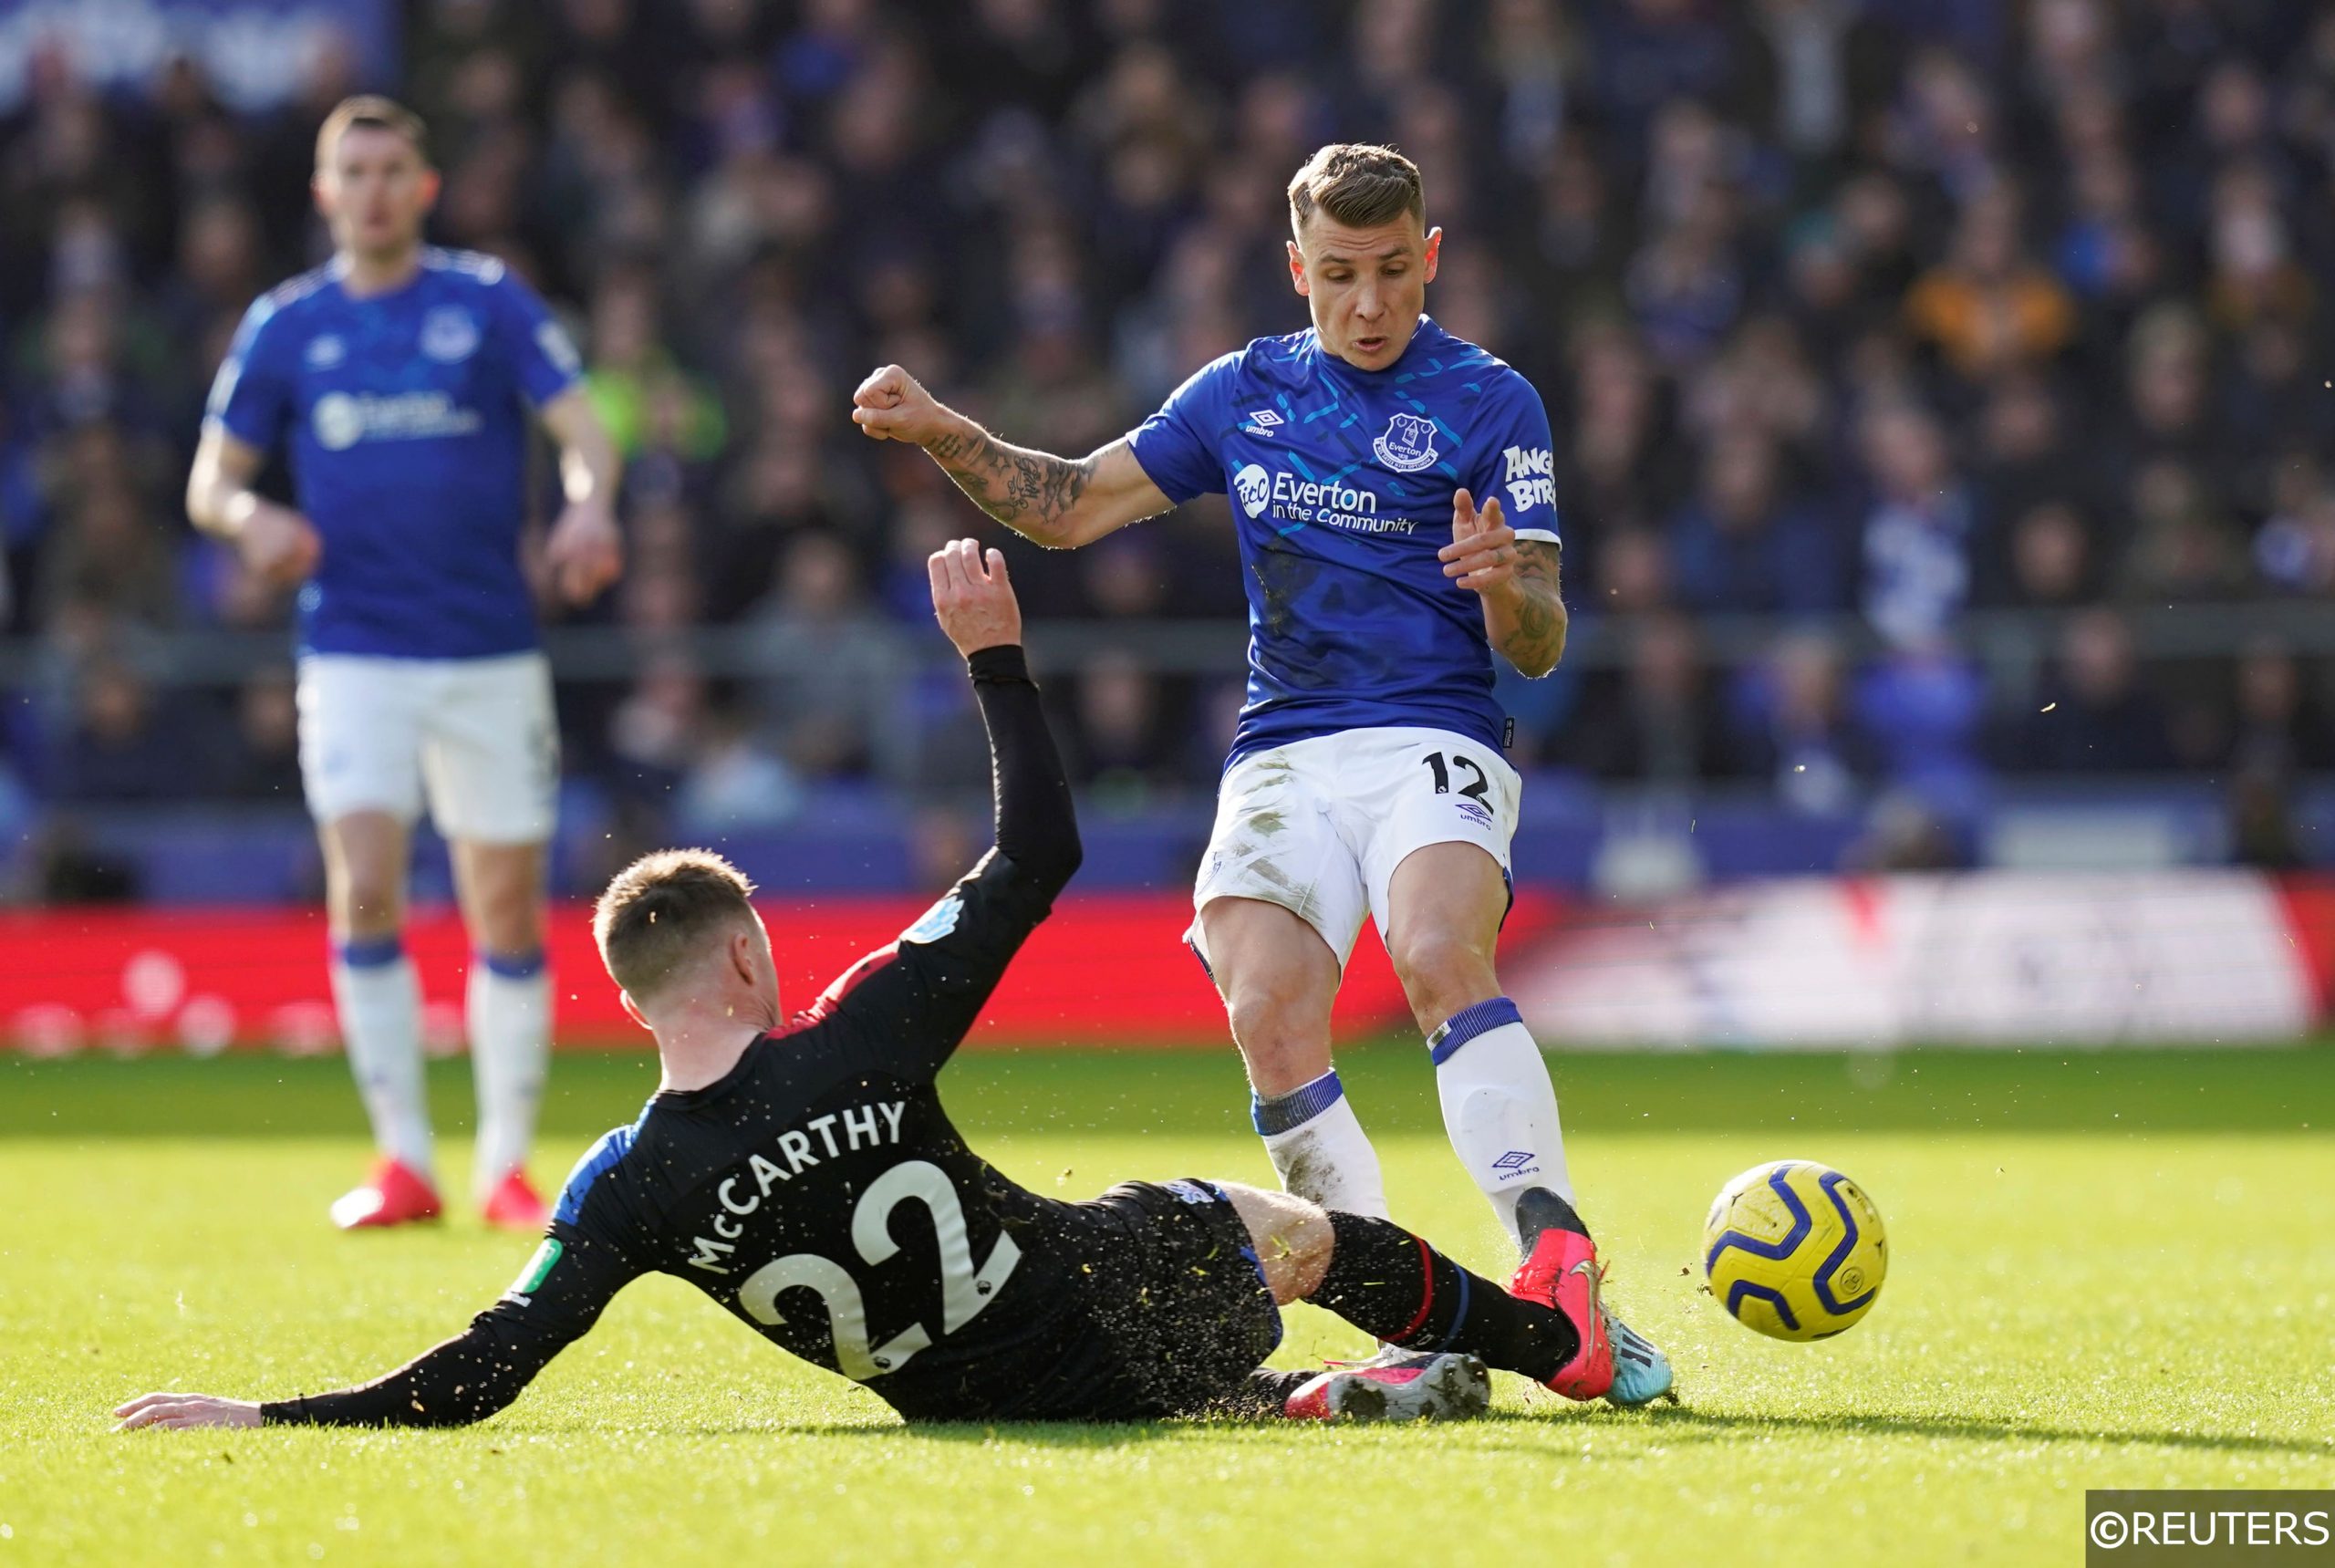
277,544
1482,552
892,405
972,598
585,552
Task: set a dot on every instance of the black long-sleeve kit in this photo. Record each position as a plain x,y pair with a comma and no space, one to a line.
819,1192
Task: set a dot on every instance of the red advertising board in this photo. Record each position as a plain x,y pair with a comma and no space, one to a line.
2194,956
1106,969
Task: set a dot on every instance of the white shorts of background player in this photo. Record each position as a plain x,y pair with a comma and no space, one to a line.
1318,826
476,739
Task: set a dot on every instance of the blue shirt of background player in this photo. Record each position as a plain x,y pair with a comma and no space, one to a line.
408,418
1341,481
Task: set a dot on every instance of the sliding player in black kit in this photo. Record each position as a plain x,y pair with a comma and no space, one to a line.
803,1174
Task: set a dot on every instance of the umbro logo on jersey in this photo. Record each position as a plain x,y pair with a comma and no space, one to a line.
1263,421
325,352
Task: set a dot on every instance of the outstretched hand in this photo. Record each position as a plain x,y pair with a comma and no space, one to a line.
178,1410
972,597
1482,553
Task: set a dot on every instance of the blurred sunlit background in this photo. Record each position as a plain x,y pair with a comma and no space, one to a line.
1943,401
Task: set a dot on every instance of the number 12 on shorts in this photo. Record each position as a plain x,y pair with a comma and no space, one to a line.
1474,791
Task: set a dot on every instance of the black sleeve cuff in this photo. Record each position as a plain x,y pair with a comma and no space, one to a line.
1001,664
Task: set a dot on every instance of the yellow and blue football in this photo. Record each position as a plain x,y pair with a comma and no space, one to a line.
1794,1249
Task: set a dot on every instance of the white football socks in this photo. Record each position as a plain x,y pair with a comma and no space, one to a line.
1499,1106
378,999
1318,1147
509,1013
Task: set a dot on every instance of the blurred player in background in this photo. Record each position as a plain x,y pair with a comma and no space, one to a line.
1366,775
399,377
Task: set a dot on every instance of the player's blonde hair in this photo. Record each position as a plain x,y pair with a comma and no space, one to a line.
657,913
375,113
1357,183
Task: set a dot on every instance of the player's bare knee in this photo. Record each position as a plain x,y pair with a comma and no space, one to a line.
364,865
1264,1017
1308,1240
1441,971
367,901
1292,1237
510,927
502,896
1279,978
1284,1037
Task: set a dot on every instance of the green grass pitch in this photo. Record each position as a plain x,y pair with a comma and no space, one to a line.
2108,1270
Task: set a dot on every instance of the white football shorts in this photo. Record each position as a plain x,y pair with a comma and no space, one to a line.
1318,826
477,737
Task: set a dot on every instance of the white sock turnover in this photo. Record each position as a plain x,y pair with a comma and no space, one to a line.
1499,1106
378,999
1319,1148
509,1008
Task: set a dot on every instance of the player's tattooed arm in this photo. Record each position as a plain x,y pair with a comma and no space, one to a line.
1534,636
1524,609
1057,502
1031,492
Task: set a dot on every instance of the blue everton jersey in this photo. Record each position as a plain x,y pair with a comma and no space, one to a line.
406,414
1341,481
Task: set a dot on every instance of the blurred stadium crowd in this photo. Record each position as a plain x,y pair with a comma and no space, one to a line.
1860,317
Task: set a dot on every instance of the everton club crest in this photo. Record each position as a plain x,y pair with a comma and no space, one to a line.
449,333
1408,445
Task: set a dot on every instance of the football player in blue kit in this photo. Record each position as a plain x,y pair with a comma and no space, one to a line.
1392,490
400,377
